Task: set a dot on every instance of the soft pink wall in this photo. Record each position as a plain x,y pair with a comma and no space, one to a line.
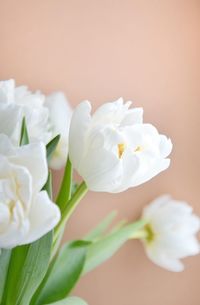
147,51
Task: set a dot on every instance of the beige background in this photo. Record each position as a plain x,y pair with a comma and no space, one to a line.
147,51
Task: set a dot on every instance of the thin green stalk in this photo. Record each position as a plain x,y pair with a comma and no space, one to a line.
66,185
70,207
141,234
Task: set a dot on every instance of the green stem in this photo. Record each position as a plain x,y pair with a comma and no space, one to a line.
65,189
70,207
141,234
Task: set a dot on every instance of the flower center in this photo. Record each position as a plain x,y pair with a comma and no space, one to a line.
150,233
121,148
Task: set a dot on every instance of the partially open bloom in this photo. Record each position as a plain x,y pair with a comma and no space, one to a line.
26,212
171,228
46,117
113,149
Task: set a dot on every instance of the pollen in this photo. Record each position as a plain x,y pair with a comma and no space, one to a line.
121,148
138,149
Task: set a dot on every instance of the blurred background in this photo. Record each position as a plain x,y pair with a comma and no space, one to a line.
145,51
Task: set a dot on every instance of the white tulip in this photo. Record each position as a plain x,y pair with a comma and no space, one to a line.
171,228
26,212
46,117
113,150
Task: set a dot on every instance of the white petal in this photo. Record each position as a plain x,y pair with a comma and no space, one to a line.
44,216
37,123
165,146
130,165
60,117
60,113
133,116
194,224
59,158
106,137
10,116
174,217
178,246
156,167
7,91
164,261
24,97
153,207
23,185
14,236
101,170
33,157
4,217
111,113
80,123
144,135
6,147
17,228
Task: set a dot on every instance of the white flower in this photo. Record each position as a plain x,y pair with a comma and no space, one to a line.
26,212
113,150
171,228
46,117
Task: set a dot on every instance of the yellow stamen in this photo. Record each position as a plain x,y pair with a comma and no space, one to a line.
121,148
138,149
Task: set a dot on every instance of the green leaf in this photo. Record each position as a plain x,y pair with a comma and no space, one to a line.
4,263
64,274
51,146
65,190
102,227
28,265
74,187
69,301
70,207
119,225
24,139
105,248
48,185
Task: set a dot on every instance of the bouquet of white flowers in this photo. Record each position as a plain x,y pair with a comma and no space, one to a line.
112,150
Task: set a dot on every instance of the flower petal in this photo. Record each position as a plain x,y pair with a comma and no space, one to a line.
165,146
153,207
6,147
111,113
80,123
60,114
33,157
44,216
163,260
148,170
7,88
102,170
10,116
133,116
